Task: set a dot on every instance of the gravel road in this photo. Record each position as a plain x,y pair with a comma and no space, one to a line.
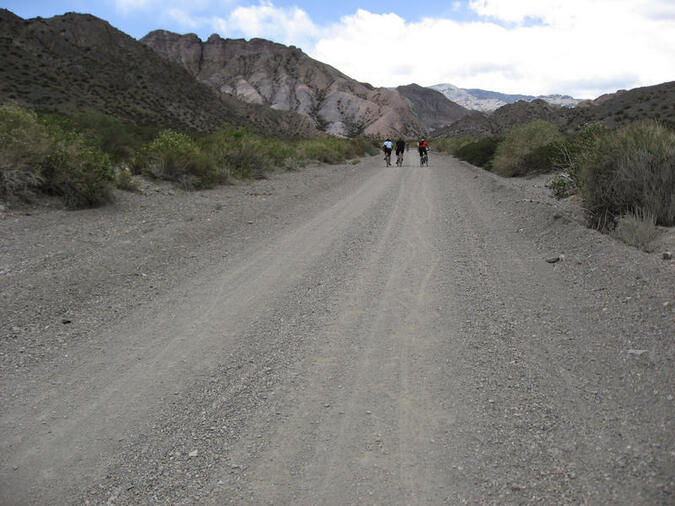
337,335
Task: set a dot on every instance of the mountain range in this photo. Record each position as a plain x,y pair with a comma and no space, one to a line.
649,102
80,64
284,78
488,101
77,63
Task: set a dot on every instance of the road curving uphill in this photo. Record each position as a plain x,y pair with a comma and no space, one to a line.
349,334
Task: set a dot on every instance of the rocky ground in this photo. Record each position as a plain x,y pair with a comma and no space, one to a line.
340,334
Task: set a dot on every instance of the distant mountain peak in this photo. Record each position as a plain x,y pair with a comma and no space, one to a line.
488,101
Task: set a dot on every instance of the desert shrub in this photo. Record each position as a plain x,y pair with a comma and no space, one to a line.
450,145
543,158
239,152
280,153
521,141
125,180
118,138
322,149
247,162
626,169
562,185
174,156
572,148
81,174
24,144
637,229
480,152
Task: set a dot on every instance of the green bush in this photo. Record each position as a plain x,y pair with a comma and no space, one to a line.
118,138
582,142
24,144
324,150
632,168
636,229
543,158
241,153
480,152
509,159
562,186
450,145
125,180
81,174
173,156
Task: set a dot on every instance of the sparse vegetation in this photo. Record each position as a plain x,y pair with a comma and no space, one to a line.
511,156
79,173
49,155
450,145
562,185
637,228
24,144
628,169
38,156
174,156
125,180
480,152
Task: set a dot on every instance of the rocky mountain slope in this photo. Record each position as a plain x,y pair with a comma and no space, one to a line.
503,119
488,101
651,102
76,63
431,107
284,78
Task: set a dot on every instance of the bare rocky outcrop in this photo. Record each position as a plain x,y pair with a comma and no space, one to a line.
284,78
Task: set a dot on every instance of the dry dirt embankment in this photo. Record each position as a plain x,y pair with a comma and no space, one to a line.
341,334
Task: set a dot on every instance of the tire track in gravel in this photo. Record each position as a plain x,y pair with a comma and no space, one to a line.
405,344
372,438
102,400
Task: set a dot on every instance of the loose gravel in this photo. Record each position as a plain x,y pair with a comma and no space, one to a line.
339,334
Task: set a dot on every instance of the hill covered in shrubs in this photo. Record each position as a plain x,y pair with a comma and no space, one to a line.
647,103
79,66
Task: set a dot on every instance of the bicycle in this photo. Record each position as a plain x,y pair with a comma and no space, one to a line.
387,158
399,160
424,159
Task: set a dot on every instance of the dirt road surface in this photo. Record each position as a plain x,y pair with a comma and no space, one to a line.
339,335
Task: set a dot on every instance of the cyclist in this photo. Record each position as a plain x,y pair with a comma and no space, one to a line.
387,147
400,149
423,148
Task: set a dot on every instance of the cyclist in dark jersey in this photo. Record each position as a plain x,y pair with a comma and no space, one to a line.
400,146
400,149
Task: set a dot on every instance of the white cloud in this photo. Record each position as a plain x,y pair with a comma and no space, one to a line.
285,25
579,47
572,48
184,18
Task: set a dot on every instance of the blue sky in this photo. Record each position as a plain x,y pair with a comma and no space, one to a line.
578,47
138,22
